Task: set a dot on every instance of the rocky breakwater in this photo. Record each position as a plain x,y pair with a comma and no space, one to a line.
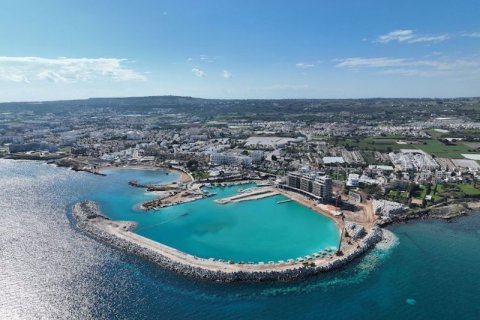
119,235
89,218
150,187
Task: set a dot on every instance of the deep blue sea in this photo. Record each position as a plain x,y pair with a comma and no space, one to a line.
51,270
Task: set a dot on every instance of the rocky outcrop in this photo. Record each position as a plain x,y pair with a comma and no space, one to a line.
448,211
90,219
77,165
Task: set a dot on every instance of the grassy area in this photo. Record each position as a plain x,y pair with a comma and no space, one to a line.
383,144
420,193
441,150
389,144
453,190
369,157
469,189
438,192
397,195
200,174
435,134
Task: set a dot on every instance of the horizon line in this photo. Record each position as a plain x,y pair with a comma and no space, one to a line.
242,99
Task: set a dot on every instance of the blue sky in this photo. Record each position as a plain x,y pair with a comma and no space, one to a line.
239,49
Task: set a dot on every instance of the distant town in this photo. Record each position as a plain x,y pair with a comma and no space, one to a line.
401,155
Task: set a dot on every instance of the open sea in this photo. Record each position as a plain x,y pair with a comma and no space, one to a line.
51,270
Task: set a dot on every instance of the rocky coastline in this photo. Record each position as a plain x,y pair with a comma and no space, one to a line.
448,212
118,234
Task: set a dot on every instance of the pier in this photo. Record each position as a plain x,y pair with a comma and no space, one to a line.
249,194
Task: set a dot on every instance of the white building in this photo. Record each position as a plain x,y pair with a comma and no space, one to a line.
333,160
257,156
222,158
353,180
411,160
230,159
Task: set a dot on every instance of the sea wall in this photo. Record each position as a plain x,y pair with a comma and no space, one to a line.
90,219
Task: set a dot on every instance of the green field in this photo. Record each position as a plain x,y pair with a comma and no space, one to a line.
382,144
451,190
469,189
441,150
389,144
435,134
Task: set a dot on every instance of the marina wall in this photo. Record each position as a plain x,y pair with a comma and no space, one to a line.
90,219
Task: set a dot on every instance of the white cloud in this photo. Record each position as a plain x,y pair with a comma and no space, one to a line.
203,58
471,34
12,75
51,76
411,72
303,65
397,35
439,38
442,66
27,69
369,62
226,74
198,72
409,36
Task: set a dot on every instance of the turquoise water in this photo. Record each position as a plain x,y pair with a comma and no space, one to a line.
259,230
51,270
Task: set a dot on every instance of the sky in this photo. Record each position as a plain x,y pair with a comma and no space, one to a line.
52,49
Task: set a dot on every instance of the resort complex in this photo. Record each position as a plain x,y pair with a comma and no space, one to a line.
200,176
261,160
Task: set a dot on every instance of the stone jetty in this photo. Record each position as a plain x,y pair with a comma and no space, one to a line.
119,234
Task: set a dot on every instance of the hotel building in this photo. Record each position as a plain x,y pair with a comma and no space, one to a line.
318,187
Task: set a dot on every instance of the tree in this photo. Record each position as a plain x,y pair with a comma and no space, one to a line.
274,157
428,188
192,165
